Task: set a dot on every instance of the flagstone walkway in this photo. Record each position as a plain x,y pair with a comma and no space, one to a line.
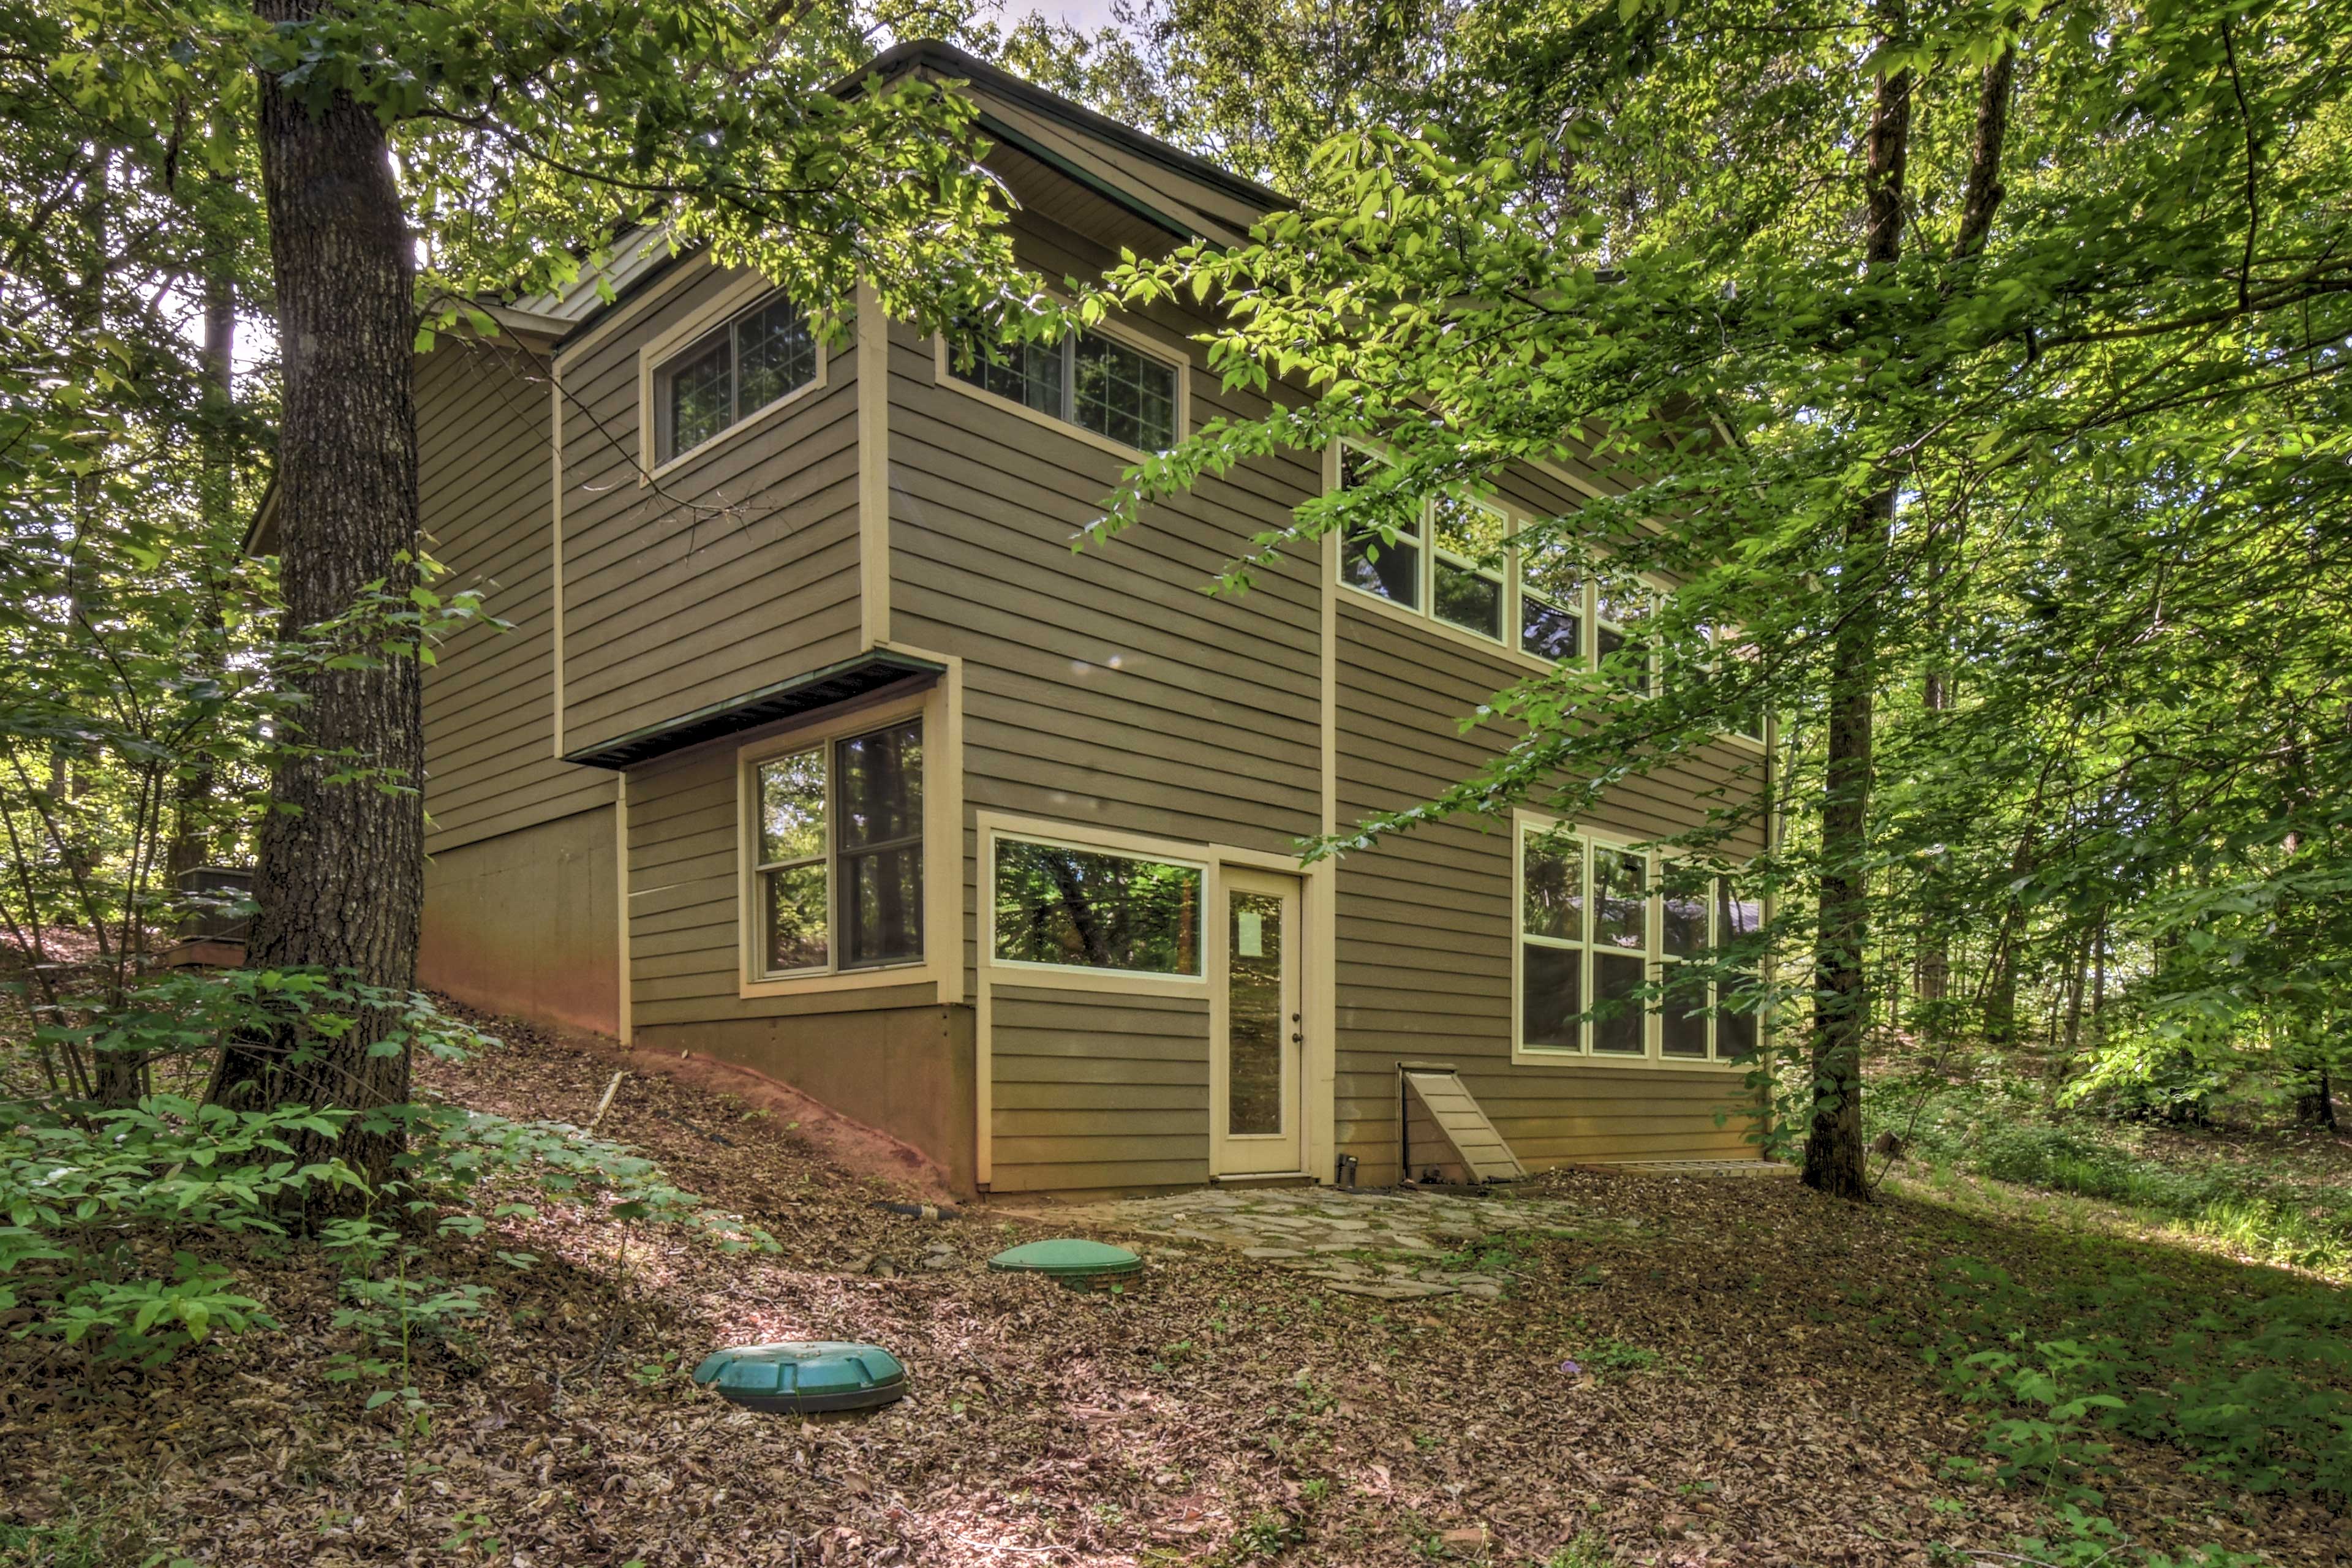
1392,1245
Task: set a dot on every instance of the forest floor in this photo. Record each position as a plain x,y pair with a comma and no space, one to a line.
1682,1371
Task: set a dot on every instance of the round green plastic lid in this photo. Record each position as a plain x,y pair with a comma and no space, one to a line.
804,1375
1067,1257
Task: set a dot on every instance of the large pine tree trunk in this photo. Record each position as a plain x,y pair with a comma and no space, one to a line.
341,878
1833,1146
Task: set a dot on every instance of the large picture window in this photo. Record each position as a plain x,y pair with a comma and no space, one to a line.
1598,924
754,361
1090,380
1094,909
839,868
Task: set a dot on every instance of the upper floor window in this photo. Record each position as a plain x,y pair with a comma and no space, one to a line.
1090,380
1462,562
751,362
1599,923
1448,553
838,874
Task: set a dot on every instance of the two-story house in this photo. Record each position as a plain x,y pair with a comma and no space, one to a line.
816,747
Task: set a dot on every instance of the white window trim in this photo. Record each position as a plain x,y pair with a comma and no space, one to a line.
731,301
1080,976
1523,823
1172,354
939,862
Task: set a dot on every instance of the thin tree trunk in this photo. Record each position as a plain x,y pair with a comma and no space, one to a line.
1834,1147
192,832
341,878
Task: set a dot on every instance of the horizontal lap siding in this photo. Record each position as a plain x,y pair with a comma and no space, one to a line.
483,487
1426,926
733,571
1097,1090
1103,687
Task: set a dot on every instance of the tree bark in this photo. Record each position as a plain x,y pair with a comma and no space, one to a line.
1833,1146
340,876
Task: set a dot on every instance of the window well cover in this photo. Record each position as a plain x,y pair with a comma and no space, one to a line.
804,1375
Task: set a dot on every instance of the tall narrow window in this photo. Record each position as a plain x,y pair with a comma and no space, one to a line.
757,359
1551,604
1380,555
1551,941
1683,1007
880,791
1738,917
1621,948
1468,587
839,833
1617,614
794,885
1088,379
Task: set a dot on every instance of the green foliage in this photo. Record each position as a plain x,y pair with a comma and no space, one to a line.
104,1209
2251,1390
1996,1127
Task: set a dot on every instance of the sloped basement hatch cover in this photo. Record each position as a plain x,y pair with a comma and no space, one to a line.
1083,1263
804,1376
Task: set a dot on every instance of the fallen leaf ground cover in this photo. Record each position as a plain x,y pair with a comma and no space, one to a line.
1683,1372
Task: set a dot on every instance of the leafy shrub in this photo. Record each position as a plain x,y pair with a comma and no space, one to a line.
2250,1389
105,1211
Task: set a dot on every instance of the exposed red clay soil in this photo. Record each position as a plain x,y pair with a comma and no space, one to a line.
844,1141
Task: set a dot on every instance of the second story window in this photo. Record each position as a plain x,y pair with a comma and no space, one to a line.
1469,566
1446,555
1382,556
1089,380
754,361
1551,605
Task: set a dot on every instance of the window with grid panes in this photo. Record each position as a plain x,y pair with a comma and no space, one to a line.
1598,924
1088,379
756,359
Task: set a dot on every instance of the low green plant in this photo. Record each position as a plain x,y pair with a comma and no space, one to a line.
2250,1389
119,1228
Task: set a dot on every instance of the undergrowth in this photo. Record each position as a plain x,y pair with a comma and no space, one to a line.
2254,1204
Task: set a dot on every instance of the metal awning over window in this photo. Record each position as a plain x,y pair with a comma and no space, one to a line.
860,677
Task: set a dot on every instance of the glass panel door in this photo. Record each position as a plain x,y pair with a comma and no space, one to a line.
1257,1124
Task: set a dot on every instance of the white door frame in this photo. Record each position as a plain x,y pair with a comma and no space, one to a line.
1283,1152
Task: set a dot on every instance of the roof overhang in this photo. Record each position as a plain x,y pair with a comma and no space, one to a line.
874,670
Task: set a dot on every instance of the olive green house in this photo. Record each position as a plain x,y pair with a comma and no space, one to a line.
815,747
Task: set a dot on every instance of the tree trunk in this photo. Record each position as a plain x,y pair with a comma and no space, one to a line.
340,876
1834,1147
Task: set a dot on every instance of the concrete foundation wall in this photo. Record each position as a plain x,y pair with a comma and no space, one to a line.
905,1071
526,923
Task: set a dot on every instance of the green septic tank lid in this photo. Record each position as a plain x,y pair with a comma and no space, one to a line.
804,1375
1069,1260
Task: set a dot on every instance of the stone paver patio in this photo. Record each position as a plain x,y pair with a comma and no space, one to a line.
1392,1245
